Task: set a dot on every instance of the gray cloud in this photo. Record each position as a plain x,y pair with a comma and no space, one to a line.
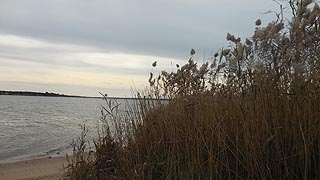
116,39
162,28
55,58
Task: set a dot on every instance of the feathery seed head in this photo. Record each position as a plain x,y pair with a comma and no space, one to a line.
154,64
258,22
248,42
231,38
225,52
192,52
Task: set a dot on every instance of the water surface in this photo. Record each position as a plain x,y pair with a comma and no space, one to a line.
33,125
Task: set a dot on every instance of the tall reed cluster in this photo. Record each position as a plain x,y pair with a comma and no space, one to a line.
252,112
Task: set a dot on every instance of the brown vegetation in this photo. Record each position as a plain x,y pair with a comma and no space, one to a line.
253,112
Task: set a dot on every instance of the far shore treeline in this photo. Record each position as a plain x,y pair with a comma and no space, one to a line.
51,94
30,93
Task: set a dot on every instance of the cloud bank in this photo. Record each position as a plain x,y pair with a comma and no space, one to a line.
111,44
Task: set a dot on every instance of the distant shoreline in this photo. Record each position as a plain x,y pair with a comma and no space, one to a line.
45,94
50,94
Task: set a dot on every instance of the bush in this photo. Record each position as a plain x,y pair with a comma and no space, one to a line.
250,113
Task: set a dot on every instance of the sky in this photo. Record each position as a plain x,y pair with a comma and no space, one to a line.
82,47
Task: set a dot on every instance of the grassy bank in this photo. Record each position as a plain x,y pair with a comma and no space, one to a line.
252,112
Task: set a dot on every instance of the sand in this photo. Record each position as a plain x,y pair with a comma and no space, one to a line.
45,168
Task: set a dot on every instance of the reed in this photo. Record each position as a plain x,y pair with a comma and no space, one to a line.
252,112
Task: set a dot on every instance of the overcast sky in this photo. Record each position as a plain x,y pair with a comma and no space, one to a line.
83,47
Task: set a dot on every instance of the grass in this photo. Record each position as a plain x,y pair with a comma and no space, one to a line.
253,112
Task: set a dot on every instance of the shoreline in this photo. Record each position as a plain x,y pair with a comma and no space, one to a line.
41,168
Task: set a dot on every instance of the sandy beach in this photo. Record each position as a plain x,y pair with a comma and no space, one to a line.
45,168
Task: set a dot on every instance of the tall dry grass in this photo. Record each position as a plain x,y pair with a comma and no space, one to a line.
252,112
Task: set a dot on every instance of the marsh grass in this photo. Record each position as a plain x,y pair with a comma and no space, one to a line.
250,113
81,164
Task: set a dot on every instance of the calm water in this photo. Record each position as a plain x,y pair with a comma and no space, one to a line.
35,126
